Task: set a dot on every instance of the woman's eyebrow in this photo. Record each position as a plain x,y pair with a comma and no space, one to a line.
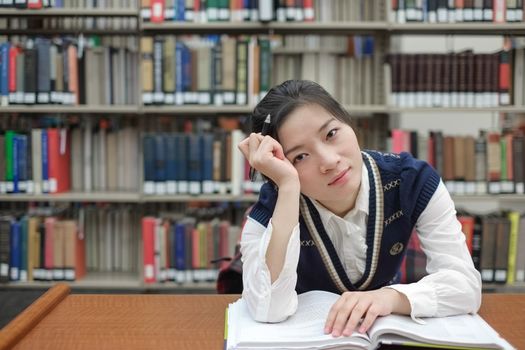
321,128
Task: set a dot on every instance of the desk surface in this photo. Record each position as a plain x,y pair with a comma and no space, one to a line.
173,321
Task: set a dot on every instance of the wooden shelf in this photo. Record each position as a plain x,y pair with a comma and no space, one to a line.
61,109
113,197
270,27
503,109
63,12
210,27
200,198
196,109
51,32
135,197
515,198
485,28
117,281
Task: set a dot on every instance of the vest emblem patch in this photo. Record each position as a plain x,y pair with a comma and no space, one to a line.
396,248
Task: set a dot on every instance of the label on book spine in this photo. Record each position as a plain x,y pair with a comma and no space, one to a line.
43,97
195,187
4,269
520,187
171,187
53,185
208,187
14,273
147,98
149,187
145,13
3,187
160,188
183,187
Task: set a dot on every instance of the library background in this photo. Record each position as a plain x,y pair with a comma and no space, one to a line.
119,170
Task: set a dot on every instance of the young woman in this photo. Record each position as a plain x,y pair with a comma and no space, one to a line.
335,218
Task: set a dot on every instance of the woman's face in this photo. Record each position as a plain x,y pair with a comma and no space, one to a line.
326,155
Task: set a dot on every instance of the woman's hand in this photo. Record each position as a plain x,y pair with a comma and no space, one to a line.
266,155
351,307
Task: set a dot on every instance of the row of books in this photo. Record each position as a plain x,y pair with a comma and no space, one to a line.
205,70
159,11
491,163
452,11
69,71
462,79
40,249
196,163
68,4
186,249
349,67
496,242
83,158
53,244
73,23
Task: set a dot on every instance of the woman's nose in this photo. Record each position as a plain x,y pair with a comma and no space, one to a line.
328,161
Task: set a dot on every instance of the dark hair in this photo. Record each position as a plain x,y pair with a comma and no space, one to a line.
283,99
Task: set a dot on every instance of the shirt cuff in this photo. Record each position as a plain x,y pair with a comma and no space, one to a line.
422,299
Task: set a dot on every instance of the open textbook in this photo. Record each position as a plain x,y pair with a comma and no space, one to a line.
305,330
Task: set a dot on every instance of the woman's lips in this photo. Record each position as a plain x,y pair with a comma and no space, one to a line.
341,177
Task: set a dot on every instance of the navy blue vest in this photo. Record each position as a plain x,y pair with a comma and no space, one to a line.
400,188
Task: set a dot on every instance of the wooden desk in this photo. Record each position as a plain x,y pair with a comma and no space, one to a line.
61,321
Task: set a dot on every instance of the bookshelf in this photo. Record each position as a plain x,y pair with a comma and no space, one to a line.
379,27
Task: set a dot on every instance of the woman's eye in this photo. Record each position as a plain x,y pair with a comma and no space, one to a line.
299,158
331,133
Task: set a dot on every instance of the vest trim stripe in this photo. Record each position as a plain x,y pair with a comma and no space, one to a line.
378,219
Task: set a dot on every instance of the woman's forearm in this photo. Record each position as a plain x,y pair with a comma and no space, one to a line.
285,217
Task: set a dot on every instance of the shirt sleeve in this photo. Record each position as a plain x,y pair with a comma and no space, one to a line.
453,285
268,302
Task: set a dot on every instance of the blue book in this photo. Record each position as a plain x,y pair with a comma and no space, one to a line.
16,161
208,185
180,248
45,163
179,10
16,252
187,76
24,246
23,163
4,73
160,164
194,164
181,141
171,160
148,144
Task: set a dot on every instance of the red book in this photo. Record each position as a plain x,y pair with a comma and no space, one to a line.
80,254
467,227
58,151
148,246
157,11
504,78
308,10
13,52
34,4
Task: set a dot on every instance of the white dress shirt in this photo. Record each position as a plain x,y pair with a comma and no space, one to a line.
452,286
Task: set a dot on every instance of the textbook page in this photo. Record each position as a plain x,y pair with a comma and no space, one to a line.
462,330
303,330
